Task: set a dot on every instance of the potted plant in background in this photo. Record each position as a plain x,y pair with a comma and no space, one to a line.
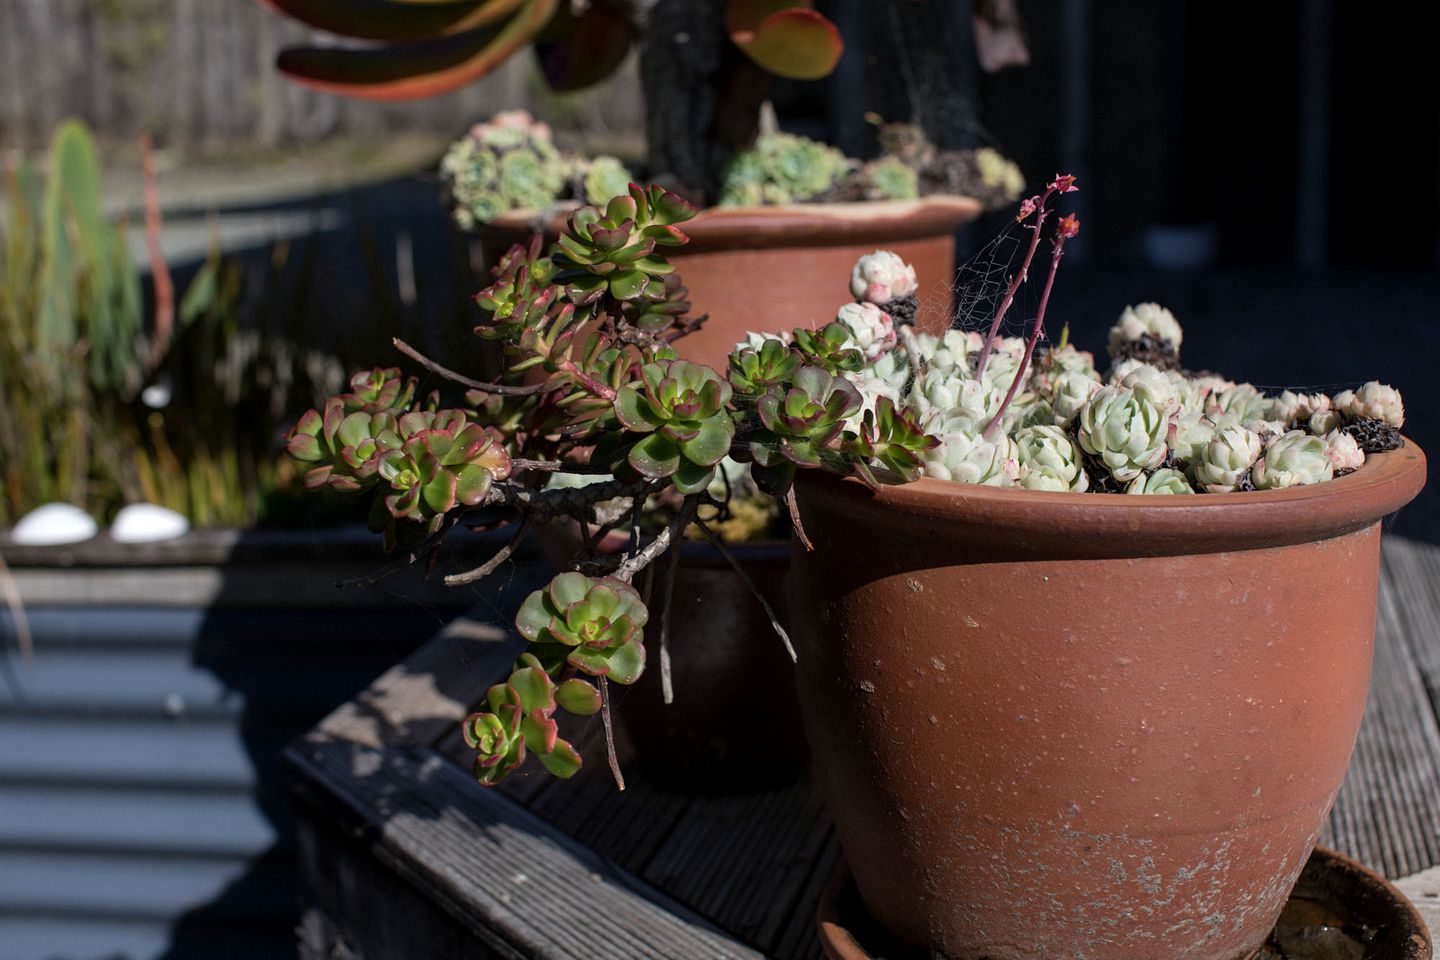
167,583
964,731
789,212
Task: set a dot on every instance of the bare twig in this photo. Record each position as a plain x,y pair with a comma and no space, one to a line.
557,466
23,638
794,509
502,389
610,734
421,550
662,542
667,593
745,578
491,565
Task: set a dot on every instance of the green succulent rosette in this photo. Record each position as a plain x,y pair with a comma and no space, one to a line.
594,625
521,721
829,348
442,461
754,369
679,409
612,251
892,436
799,420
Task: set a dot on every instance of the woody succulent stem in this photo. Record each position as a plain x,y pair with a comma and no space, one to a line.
1068,227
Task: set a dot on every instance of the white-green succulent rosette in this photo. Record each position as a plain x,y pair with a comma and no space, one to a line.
1373,401
1166,480
1144,320
871,329
1071,391
965,456
1295,459
1223,464
1344,451
881,278
1126,431
1049,460
1147,426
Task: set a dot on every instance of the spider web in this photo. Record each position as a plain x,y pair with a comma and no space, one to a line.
980,283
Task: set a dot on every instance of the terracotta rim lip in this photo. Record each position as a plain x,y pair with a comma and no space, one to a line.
792,225
1209,522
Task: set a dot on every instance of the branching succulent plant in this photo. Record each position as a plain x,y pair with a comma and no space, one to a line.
594,392
593,389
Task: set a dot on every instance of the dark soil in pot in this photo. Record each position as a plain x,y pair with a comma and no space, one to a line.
1339,910
1097,727
734,725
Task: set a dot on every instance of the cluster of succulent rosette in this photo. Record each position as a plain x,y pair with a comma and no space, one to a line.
510,164
595,420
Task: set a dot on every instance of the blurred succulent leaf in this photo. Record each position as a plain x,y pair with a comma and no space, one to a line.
394,20
586,48
789,39
409,71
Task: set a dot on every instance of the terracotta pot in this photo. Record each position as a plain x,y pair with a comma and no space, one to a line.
735,723
776,268
1085,726
1337,909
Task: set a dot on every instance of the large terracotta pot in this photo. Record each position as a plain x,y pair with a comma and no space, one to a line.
776,268
1086,726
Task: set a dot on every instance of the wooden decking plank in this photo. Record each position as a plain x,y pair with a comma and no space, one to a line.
742,860
1388,811
498,867
798,940
1414,568
426,696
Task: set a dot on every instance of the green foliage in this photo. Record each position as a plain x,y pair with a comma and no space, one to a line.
678,410
595,625
78,352
592,386
781,168
890,178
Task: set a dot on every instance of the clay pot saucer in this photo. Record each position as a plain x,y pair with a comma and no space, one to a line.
1339,910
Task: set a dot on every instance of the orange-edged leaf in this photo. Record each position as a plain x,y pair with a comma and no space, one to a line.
797,43
585,49
394,20
413,70
744,16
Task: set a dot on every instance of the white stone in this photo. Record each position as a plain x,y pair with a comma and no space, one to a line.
146,523
54,523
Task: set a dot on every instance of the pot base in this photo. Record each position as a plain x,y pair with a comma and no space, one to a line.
1339,910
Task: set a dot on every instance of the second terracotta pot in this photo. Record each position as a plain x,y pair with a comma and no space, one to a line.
770,269
1083,726
734,725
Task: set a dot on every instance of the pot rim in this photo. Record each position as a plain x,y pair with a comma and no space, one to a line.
1100,525
795,224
